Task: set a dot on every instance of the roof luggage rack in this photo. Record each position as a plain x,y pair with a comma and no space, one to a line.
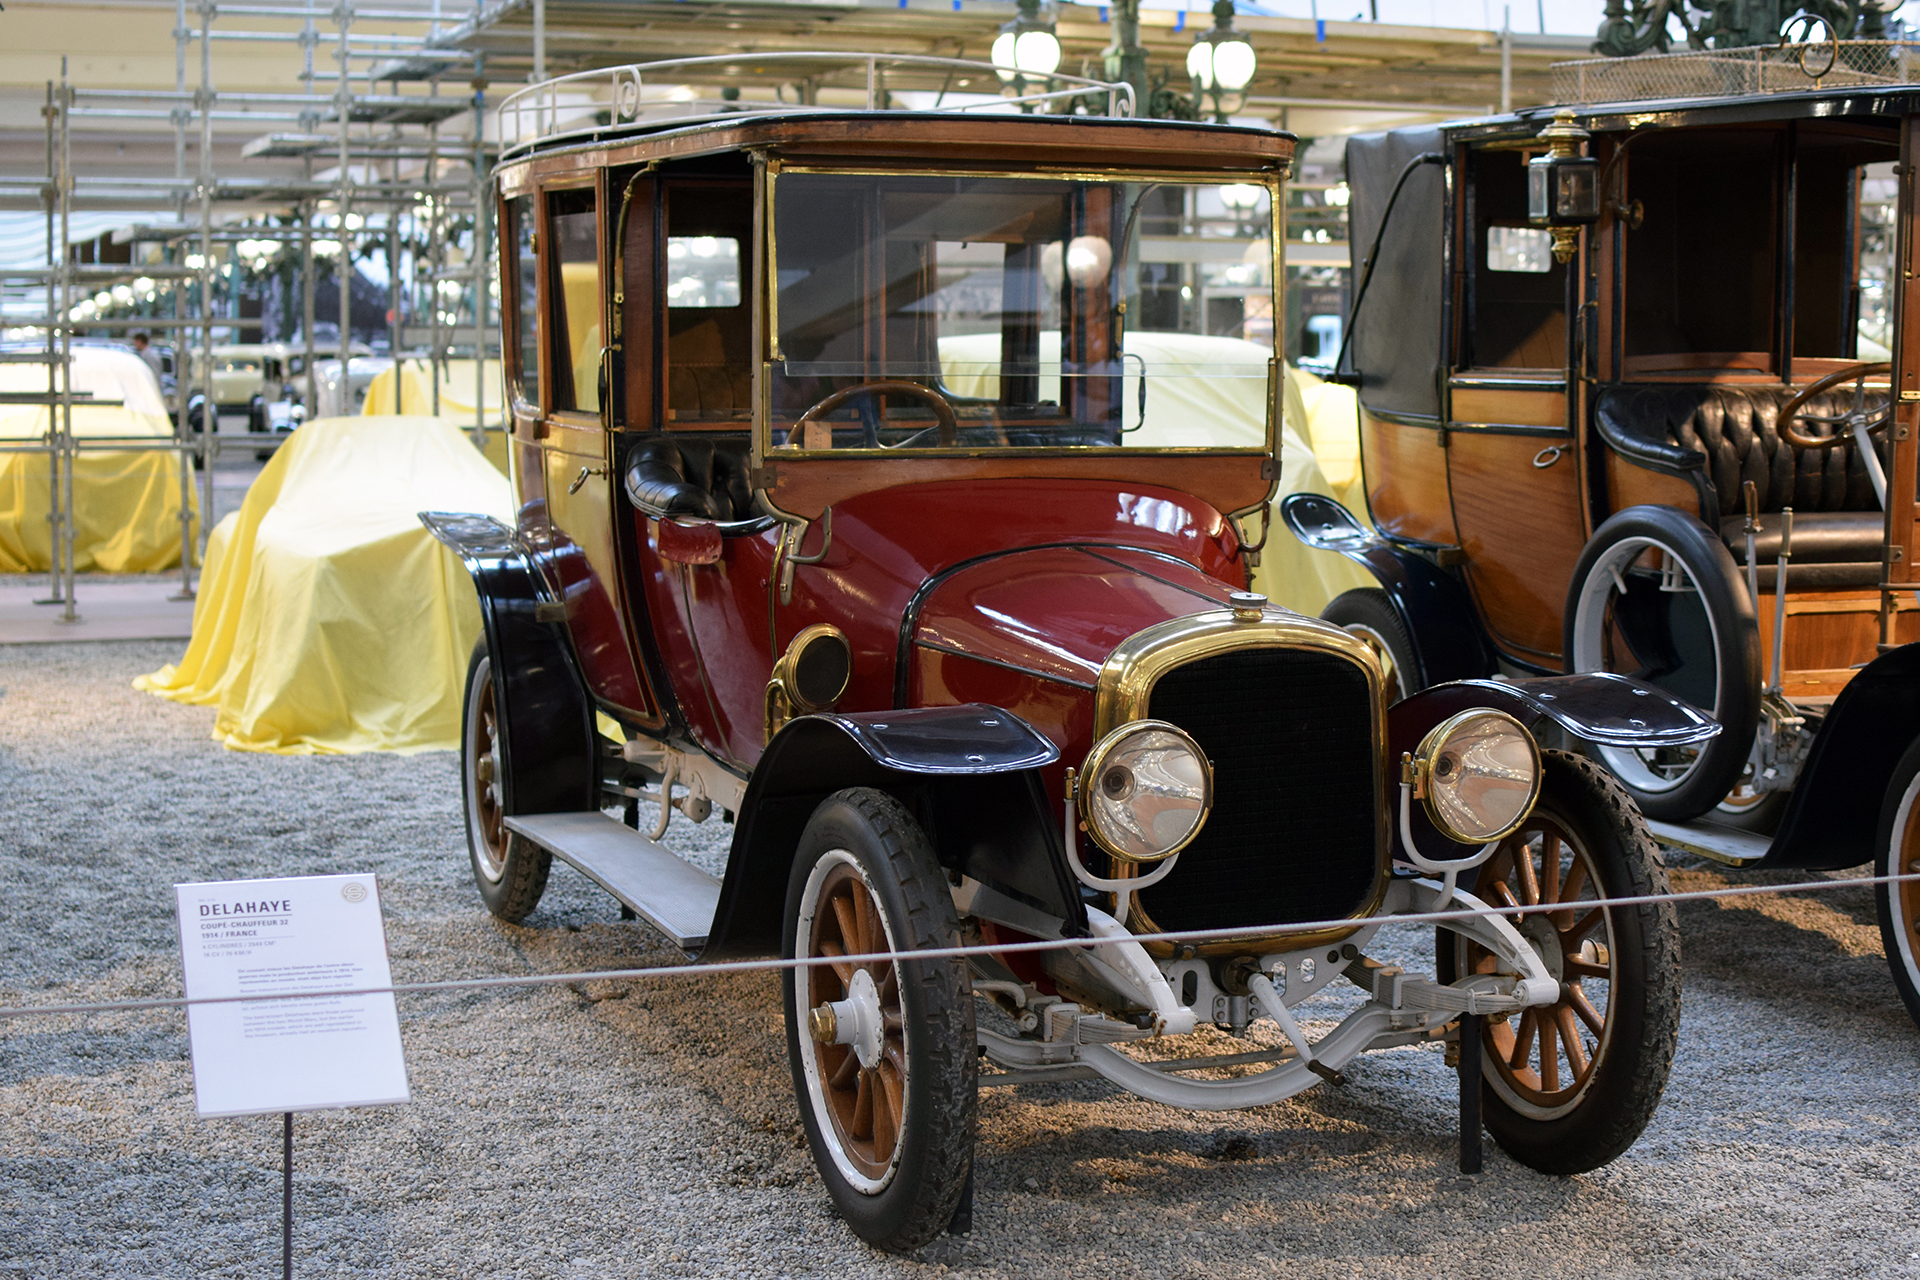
1729,73
589,103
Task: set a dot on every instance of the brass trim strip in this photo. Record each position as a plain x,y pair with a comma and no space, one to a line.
1125,689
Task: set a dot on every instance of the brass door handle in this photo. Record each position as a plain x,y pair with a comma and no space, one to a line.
582,478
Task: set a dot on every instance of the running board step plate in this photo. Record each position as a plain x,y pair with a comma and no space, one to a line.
1727,845
675,897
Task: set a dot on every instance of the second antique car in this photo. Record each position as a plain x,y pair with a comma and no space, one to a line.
1639,376
868,499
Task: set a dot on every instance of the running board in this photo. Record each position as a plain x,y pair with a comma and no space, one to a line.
673,896
1728,846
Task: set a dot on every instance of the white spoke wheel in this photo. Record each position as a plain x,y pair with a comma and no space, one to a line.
1656,596
509,870
882,1051
1569,1086
1897,852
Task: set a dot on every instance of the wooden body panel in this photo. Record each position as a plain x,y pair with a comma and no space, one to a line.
1629,485
1493,405
1829,634
1521,529
1406,476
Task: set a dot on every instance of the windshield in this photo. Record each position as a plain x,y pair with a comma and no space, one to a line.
1007,312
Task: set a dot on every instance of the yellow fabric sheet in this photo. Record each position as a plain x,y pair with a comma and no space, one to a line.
126,501
329,620
456,399
1213,391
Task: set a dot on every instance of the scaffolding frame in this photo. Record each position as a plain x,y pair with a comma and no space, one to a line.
395,128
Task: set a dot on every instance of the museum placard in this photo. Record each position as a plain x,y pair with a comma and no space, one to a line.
273,937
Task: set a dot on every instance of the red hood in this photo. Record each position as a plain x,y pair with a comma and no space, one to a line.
1059,611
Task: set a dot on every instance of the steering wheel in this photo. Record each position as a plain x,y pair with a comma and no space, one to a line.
1845,423
945,420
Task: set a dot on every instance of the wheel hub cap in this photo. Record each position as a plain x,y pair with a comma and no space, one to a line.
855,1021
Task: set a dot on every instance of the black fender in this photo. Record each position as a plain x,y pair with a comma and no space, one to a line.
547,737
970,774
1448,641
1833,812
1595,707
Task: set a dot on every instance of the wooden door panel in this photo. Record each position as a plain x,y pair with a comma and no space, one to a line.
1521,529
1406,477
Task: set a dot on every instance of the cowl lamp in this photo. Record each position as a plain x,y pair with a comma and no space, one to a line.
1221,64
1026,52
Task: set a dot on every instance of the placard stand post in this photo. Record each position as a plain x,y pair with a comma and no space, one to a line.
1470,1069
286,1196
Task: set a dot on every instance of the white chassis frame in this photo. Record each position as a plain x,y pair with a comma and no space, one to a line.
1403,1007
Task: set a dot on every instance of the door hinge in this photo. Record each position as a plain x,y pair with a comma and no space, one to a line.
767,477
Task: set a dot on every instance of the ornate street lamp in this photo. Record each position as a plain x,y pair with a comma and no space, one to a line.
1221,64
1026,50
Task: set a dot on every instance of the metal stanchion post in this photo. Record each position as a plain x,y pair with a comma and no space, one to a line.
63,547
1470,1054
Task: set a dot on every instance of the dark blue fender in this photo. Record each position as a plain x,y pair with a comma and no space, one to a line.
1834,810
546,719
970,775
1438,614
1594,707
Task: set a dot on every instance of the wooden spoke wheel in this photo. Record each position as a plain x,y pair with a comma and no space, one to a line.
509,870
863,1083
1544,1056
882,1051
1570,1085
1898,853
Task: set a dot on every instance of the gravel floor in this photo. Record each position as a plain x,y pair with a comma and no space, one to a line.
649,1129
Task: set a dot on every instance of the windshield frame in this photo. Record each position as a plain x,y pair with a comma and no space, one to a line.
1268,179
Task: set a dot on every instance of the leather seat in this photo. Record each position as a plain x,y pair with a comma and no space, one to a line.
702,476
1720,437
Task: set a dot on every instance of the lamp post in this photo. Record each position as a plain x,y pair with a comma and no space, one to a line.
1221,64
1026,50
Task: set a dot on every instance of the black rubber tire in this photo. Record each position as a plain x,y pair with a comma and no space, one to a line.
1731,634
1369,612
935,1138
1897,851
509,870
1633,1057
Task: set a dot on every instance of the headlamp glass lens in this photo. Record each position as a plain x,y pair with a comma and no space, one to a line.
1483,776
1148,793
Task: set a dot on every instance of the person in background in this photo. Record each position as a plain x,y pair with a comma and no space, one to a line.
143,348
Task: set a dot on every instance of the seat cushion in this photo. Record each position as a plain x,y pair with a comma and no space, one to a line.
1730,434
1832,550
690,476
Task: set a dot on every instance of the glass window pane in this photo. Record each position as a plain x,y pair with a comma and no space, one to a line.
574,224
703,271
1043,312
526,300
1527,249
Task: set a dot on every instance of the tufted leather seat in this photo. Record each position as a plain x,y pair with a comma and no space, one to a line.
690,476
1720,437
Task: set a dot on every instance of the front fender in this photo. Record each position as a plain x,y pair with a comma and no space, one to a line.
969,775
546,721
1594,707
1833,813
1435,610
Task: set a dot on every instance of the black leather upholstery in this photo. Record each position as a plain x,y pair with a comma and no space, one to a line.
690,476
1723,436
1730,434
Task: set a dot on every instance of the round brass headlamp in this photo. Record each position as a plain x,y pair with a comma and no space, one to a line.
1479,774
1145,791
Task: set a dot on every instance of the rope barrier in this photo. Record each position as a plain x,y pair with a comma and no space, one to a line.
944,953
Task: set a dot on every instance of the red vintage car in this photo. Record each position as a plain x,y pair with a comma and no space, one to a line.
886,483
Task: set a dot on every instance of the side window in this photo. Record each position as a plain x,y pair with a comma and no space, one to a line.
524,287
573,222
1518,300
709,324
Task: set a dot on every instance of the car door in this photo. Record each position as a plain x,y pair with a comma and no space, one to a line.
1513,460
575,449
